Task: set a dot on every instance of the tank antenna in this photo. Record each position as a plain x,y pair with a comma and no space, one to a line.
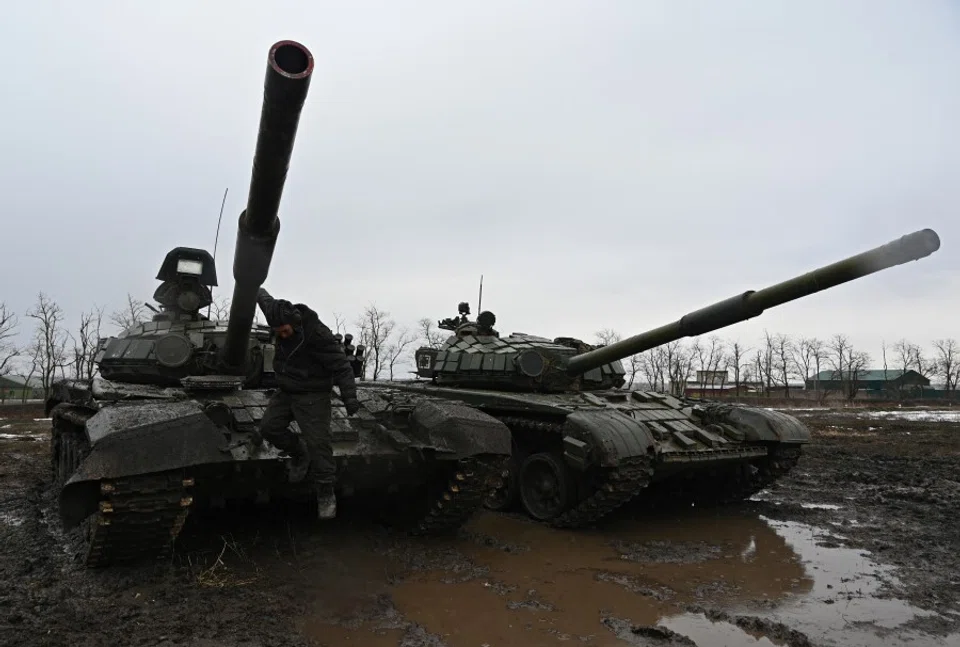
216,239
480,297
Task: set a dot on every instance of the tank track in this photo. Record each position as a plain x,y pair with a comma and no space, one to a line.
472,480
781,460
138,517
739,484
617,485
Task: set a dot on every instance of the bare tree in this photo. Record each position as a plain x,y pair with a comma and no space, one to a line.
634,368
784,351
431,336
905,354
607,336
818,356
709,356
395,349
948,362
679,364
220,309
130,315
51,339
764,363
339,323
653,364
838,350
857,362
804,352
8,333
85,343
736,361
34,352
375,327
924,366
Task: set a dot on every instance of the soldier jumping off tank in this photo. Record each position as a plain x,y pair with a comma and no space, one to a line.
308,362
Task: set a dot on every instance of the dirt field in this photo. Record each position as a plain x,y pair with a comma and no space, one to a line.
789,569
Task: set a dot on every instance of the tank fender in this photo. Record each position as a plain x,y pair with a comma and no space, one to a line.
756,424
457,430
605,437
137,438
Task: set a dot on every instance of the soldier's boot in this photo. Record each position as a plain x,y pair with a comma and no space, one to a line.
299,463
326,501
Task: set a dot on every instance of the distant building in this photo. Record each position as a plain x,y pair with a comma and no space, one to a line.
869,380
14,388
717,384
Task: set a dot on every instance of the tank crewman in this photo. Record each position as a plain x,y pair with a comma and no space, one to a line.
308,362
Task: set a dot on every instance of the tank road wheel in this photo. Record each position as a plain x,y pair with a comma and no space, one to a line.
545,486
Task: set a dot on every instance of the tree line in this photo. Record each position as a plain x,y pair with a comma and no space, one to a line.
779,361
55,352
776,363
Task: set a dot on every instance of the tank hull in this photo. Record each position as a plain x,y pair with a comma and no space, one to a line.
603,449
134,460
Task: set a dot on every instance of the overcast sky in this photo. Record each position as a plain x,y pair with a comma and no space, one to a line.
602,164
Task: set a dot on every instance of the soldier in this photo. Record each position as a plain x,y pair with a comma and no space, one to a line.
308,362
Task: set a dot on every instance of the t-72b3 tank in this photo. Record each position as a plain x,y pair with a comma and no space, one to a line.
170,422
583,447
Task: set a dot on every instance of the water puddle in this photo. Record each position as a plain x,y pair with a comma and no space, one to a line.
718,579
839,607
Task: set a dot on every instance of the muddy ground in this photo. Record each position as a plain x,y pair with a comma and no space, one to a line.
787,569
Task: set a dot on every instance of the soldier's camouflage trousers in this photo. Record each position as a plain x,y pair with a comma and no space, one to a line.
312,411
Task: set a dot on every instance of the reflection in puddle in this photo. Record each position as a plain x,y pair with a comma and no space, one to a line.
509,581
841,600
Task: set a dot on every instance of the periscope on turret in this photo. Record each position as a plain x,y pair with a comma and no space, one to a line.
583,447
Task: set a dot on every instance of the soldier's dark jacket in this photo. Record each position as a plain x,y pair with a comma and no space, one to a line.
311,359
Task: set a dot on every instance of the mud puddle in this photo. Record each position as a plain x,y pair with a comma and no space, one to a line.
716,579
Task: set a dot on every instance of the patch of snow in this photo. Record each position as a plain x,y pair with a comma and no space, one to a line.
820,506
42,419
18,437
941,415
7,426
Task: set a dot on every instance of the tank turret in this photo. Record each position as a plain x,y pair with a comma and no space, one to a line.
181,346
476,356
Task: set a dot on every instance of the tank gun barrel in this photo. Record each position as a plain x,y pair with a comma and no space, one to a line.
745,306
289,69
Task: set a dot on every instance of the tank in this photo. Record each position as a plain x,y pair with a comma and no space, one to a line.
583,447
169,423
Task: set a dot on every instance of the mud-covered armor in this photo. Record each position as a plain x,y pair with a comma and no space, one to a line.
582,447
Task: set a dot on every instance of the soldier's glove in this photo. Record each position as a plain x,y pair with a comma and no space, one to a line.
352,405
